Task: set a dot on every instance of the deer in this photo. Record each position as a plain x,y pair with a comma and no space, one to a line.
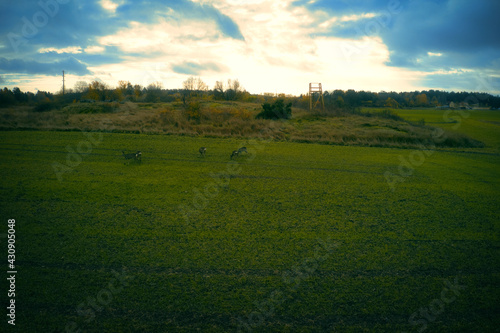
133,156
235,153
202,151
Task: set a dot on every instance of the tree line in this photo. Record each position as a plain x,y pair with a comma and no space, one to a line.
428,98
194,89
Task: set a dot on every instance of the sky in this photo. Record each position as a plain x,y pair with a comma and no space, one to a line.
277,46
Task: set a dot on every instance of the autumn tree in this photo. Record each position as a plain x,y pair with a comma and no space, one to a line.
421,100
137,91
121,90
392,103
97,91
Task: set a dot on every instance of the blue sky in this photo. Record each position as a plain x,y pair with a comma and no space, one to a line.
269,46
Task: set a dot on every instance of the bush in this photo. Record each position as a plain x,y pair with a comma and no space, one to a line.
276,111
91,108
193,111
45,106
384,114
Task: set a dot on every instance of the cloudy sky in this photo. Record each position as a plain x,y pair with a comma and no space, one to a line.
269,46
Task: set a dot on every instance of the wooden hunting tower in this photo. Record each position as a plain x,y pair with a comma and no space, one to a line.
316,93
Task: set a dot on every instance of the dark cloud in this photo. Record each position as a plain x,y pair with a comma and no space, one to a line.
464,32
191,68
345,7
178,10
70,65
461,80
33,26
30,25
27,25
226,25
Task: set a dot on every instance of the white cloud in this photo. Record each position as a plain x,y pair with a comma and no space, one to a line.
278,54
94,49
109,5
431,54
71,49
171,38
348,18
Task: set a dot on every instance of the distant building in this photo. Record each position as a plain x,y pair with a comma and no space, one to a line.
465,106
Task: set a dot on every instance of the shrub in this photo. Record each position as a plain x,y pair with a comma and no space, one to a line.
278,110
388,114
91,108
45,106
193,111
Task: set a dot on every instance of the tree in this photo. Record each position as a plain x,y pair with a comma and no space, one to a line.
352,98
19,95
390,102
200,85
97,91
232,90
155,86
137,91
81,87
340,102
121,90
6,97
194,84
421,100
236,85
189,84
154,92
219,90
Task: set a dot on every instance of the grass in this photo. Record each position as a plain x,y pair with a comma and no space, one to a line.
482,125
254,253
380,128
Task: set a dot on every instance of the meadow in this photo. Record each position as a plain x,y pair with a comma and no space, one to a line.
228,119
291,237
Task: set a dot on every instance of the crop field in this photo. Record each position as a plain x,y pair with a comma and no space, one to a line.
291,237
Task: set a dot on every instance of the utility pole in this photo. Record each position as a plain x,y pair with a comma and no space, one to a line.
63,82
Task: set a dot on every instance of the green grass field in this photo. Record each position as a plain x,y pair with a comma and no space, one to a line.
289,238
482,125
